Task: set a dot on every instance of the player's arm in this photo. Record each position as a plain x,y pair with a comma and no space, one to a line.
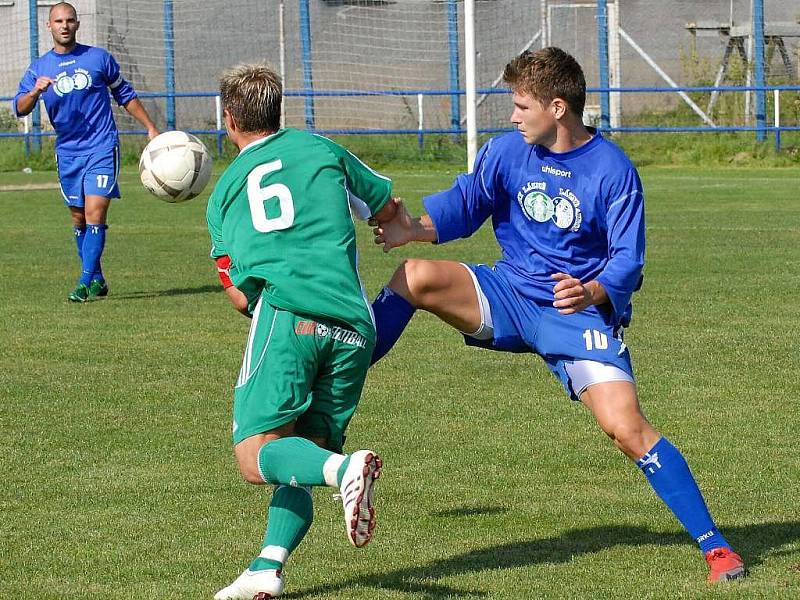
125,95
571,295
451,214
235,295
31,88
402,228
221,258
137,110
239,300
622,274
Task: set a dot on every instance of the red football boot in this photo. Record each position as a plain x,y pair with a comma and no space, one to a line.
724,564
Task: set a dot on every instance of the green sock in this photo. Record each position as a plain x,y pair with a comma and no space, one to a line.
288,519
297,461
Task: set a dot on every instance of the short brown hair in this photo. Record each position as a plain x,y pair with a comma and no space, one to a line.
252,95
547,74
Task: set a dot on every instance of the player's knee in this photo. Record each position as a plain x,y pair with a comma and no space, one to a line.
629,437
248,468
251,475
420,278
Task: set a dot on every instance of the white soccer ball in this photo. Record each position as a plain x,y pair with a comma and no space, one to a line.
175,166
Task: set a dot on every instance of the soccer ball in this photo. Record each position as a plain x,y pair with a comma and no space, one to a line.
175,166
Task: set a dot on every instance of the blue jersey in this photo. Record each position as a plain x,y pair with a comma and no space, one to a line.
579,212
78,103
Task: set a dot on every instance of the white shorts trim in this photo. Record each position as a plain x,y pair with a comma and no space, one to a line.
248,368
486,330
583,373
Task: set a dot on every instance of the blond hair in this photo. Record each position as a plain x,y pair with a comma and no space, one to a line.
252,95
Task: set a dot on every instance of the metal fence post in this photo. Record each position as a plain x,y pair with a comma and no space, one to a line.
218,115
36,115
169,63
758,51
777,118
452,42
308,78
602,62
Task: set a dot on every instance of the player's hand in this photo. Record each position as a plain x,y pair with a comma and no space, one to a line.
396,232
152,133
387,213
43,83
570,294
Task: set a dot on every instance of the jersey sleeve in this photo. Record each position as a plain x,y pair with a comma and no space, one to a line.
214,220
121,90
461,210
26,84
368,191
622,274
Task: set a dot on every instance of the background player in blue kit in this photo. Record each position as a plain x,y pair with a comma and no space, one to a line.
567,210
74,81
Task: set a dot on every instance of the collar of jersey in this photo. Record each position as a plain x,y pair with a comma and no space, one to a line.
543,152
259,141
76,50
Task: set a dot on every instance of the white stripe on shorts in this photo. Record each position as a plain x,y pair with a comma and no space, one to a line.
247,369
486,330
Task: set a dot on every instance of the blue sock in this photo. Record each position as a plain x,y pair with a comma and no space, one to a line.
80,235
93,243
392,314
668,473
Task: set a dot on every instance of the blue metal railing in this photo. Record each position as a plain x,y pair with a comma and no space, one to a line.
761,128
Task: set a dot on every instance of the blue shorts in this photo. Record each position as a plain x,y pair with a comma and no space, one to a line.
580,349
88,175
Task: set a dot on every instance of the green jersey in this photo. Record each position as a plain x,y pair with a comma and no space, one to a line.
282,212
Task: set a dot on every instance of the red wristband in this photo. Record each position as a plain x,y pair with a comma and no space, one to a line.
223,270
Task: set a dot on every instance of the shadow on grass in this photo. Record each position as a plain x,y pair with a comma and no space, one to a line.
753,542
204,289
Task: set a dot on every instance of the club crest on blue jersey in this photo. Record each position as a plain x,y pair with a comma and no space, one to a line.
79,80
563,210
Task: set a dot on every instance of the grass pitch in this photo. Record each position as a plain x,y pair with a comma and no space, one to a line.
117,478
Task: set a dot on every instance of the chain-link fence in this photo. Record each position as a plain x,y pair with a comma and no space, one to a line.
397,65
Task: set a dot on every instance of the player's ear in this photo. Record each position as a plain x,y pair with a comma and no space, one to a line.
226,116
559,108
230,122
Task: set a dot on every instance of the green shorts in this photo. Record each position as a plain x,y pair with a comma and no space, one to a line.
298,369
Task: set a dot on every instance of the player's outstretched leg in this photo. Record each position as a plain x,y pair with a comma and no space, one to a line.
392,313
357,488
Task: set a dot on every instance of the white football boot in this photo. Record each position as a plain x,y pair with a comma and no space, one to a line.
253,585
357,488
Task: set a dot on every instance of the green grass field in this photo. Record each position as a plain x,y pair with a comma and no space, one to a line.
117,478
